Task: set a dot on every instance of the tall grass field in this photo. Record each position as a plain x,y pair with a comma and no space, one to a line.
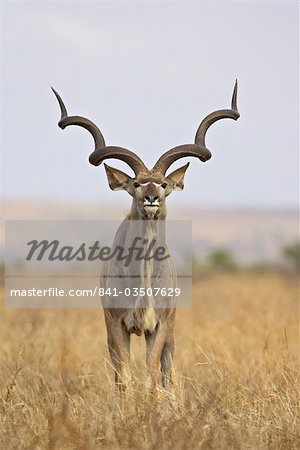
236,382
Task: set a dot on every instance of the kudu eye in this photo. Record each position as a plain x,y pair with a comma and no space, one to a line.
164,185
136,184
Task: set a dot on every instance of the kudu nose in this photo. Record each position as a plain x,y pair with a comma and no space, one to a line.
151,198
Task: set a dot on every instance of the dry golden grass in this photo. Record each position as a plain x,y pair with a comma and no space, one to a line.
236,363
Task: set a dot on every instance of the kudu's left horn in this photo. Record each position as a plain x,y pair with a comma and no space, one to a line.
198,149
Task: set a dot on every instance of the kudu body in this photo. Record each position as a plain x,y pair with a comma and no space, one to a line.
149,189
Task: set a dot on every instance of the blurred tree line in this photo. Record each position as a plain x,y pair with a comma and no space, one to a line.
292,254
223,260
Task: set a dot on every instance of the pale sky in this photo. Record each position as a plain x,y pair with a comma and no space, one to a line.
147,73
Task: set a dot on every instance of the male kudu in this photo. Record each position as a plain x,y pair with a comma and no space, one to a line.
148,189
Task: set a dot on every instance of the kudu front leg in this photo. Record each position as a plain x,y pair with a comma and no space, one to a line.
166,360
119,349
154,346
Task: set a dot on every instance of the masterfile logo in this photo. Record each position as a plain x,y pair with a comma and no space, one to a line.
82,263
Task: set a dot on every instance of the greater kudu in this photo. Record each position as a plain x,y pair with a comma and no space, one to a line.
149,189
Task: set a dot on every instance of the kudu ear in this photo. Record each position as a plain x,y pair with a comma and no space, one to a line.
117,179
177,177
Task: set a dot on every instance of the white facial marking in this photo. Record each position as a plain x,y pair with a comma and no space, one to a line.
150,210
149,204
145,184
